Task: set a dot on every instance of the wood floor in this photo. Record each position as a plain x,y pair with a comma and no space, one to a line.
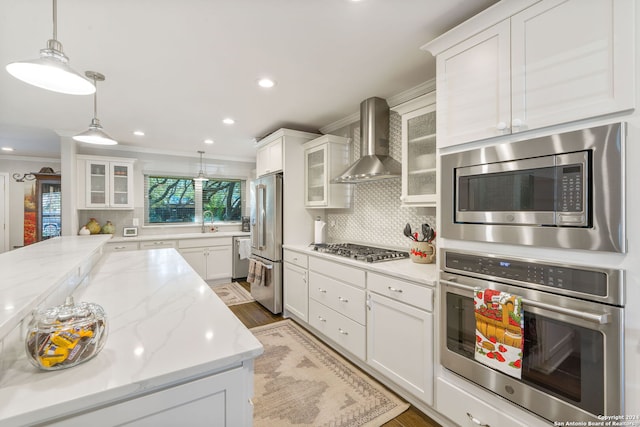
253,314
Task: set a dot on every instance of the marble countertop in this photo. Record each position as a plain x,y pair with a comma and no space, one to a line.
31,273
426,274
180,236
165,325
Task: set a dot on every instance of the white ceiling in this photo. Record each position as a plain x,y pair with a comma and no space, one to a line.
175,69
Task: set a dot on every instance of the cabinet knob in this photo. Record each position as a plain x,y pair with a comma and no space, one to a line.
501,126
516,124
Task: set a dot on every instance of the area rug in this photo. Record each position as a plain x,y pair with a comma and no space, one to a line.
232,293
299,381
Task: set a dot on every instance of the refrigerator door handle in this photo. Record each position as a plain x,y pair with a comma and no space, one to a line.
261,201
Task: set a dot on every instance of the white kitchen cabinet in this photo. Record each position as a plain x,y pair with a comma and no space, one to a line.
419,172
537,68
218,400
295,285
211,258
324,159
158,244
121,246
337,304
269,157
400,337
105,183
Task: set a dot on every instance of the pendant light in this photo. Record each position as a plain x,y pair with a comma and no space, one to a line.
95,134
201,178
51,70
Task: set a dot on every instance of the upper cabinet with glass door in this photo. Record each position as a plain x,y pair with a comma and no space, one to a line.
418,151
324,158
107,184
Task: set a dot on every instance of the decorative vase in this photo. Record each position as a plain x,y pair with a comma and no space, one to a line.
422,252
93,226
108,228
84,231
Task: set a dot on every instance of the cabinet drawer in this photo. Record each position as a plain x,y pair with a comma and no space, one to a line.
400,290
205,242
296,258
157,244
344,273
461,407
344,331
341,297
121,247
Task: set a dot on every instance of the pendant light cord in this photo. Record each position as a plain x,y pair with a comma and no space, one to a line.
55,19
95,98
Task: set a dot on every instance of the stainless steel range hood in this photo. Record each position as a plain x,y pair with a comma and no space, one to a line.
374,162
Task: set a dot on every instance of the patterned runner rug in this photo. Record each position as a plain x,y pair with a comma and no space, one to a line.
301,381
232,293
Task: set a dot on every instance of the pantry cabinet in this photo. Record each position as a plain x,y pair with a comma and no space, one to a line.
105,183
400,333
419,160
324,159
537,68
211,258
269,157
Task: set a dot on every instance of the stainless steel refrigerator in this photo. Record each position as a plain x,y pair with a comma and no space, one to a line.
266,238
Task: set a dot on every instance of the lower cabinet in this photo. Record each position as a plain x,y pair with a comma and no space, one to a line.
296,291
467,410
400,344
218,400
211,258
121,247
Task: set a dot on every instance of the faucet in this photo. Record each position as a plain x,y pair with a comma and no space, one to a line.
204,216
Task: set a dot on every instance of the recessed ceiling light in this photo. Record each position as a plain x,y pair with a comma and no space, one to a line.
208,141
228,121
7,149
138,133
267,83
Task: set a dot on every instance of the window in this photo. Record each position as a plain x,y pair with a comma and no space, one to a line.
171,200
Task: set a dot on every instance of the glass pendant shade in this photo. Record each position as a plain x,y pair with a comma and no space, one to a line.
201,177
51,71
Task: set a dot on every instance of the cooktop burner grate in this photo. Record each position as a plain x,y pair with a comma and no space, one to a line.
360,252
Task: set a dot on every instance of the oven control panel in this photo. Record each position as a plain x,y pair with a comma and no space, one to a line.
592,282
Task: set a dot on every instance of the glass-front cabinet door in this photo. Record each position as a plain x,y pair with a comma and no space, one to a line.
324,159
419,169
97,184
108,183
316,169
121,181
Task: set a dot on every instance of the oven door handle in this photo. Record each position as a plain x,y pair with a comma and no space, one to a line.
601,319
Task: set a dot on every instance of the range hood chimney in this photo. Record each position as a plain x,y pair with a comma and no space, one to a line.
374,162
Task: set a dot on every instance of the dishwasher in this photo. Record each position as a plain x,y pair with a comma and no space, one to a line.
240,266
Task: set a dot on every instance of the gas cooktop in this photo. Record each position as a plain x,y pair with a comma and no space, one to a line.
360,252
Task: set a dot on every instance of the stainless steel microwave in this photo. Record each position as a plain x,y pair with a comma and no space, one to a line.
564,190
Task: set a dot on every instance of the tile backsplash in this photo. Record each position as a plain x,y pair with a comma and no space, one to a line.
376,216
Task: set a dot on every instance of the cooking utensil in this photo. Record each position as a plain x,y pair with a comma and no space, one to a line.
428,234
407,232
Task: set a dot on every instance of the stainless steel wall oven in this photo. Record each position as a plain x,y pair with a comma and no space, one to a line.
564,190
572,364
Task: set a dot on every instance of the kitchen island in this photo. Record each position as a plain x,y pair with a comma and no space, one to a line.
174,352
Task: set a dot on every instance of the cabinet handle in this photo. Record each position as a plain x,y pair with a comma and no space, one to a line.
322,291
392,289
322,319
295,258
501,126
304,280
477,421
342,299
342,331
